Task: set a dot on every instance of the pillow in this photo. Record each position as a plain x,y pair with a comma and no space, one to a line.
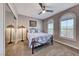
32,30
36,31
39,31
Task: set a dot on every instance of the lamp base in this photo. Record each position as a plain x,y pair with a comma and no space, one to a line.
22,40
10,42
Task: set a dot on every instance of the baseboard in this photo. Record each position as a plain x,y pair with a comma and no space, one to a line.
67,44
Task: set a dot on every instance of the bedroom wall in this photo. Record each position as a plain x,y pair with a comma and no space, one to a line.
24,20
13,9
2,34
56,18
9,20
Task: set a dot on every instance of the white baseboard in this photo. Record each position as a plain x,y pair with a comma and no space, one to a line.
67,44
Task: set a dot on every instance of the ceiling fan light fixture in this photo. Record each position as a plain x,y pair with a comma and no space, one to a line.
43,8
43,11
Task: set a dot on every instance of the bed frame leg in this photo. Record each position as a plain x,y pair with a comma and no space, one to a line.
32,50
51,40
33,46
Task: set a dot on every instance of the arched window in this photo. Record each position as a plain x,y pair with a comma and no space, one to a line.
50,26
67,26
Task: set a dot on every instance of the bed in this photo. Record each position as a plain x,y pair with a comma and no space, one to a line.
36,38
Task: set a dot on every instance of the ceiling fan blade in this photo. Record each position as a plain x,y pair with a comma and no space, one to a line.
49,10
41,5
40,13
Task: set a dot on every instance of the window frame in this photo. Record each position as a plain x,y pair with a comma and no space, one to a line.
74,19
50,21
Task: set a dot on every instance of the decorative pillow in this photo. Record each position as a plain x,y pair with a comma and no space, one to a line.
32,30
36,31
39,31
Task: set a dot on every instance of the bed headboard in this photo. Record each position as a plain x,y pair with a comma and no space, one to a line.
33,30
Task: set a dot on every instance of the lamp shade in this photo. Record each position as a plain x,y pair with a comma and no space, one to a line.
10,26
21,26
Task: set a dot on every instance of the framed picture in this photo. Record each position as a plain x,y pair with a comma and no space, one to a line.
33,23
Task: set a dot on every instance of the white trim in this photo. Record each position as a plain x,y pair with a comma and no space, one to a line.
65,17
68,16
73,46
12,7
50,21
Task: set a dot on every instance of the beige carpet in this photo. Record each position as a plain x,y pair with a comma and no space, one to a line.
22,49
62,50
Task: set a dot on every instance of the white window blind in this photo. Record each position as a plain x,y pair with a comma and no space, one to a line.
50,27
67,28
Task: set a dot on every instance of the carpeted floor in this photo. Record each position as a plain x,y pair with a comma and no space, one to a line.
22,49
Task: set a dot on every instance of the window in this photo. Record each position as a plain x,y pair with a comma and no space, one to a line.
50,27
67,28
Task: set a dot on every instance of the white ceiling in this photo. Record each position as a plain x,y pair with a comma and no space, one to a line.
32,9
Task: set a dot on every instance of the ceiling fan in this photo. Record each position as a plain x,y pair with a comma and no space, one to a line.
43,7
